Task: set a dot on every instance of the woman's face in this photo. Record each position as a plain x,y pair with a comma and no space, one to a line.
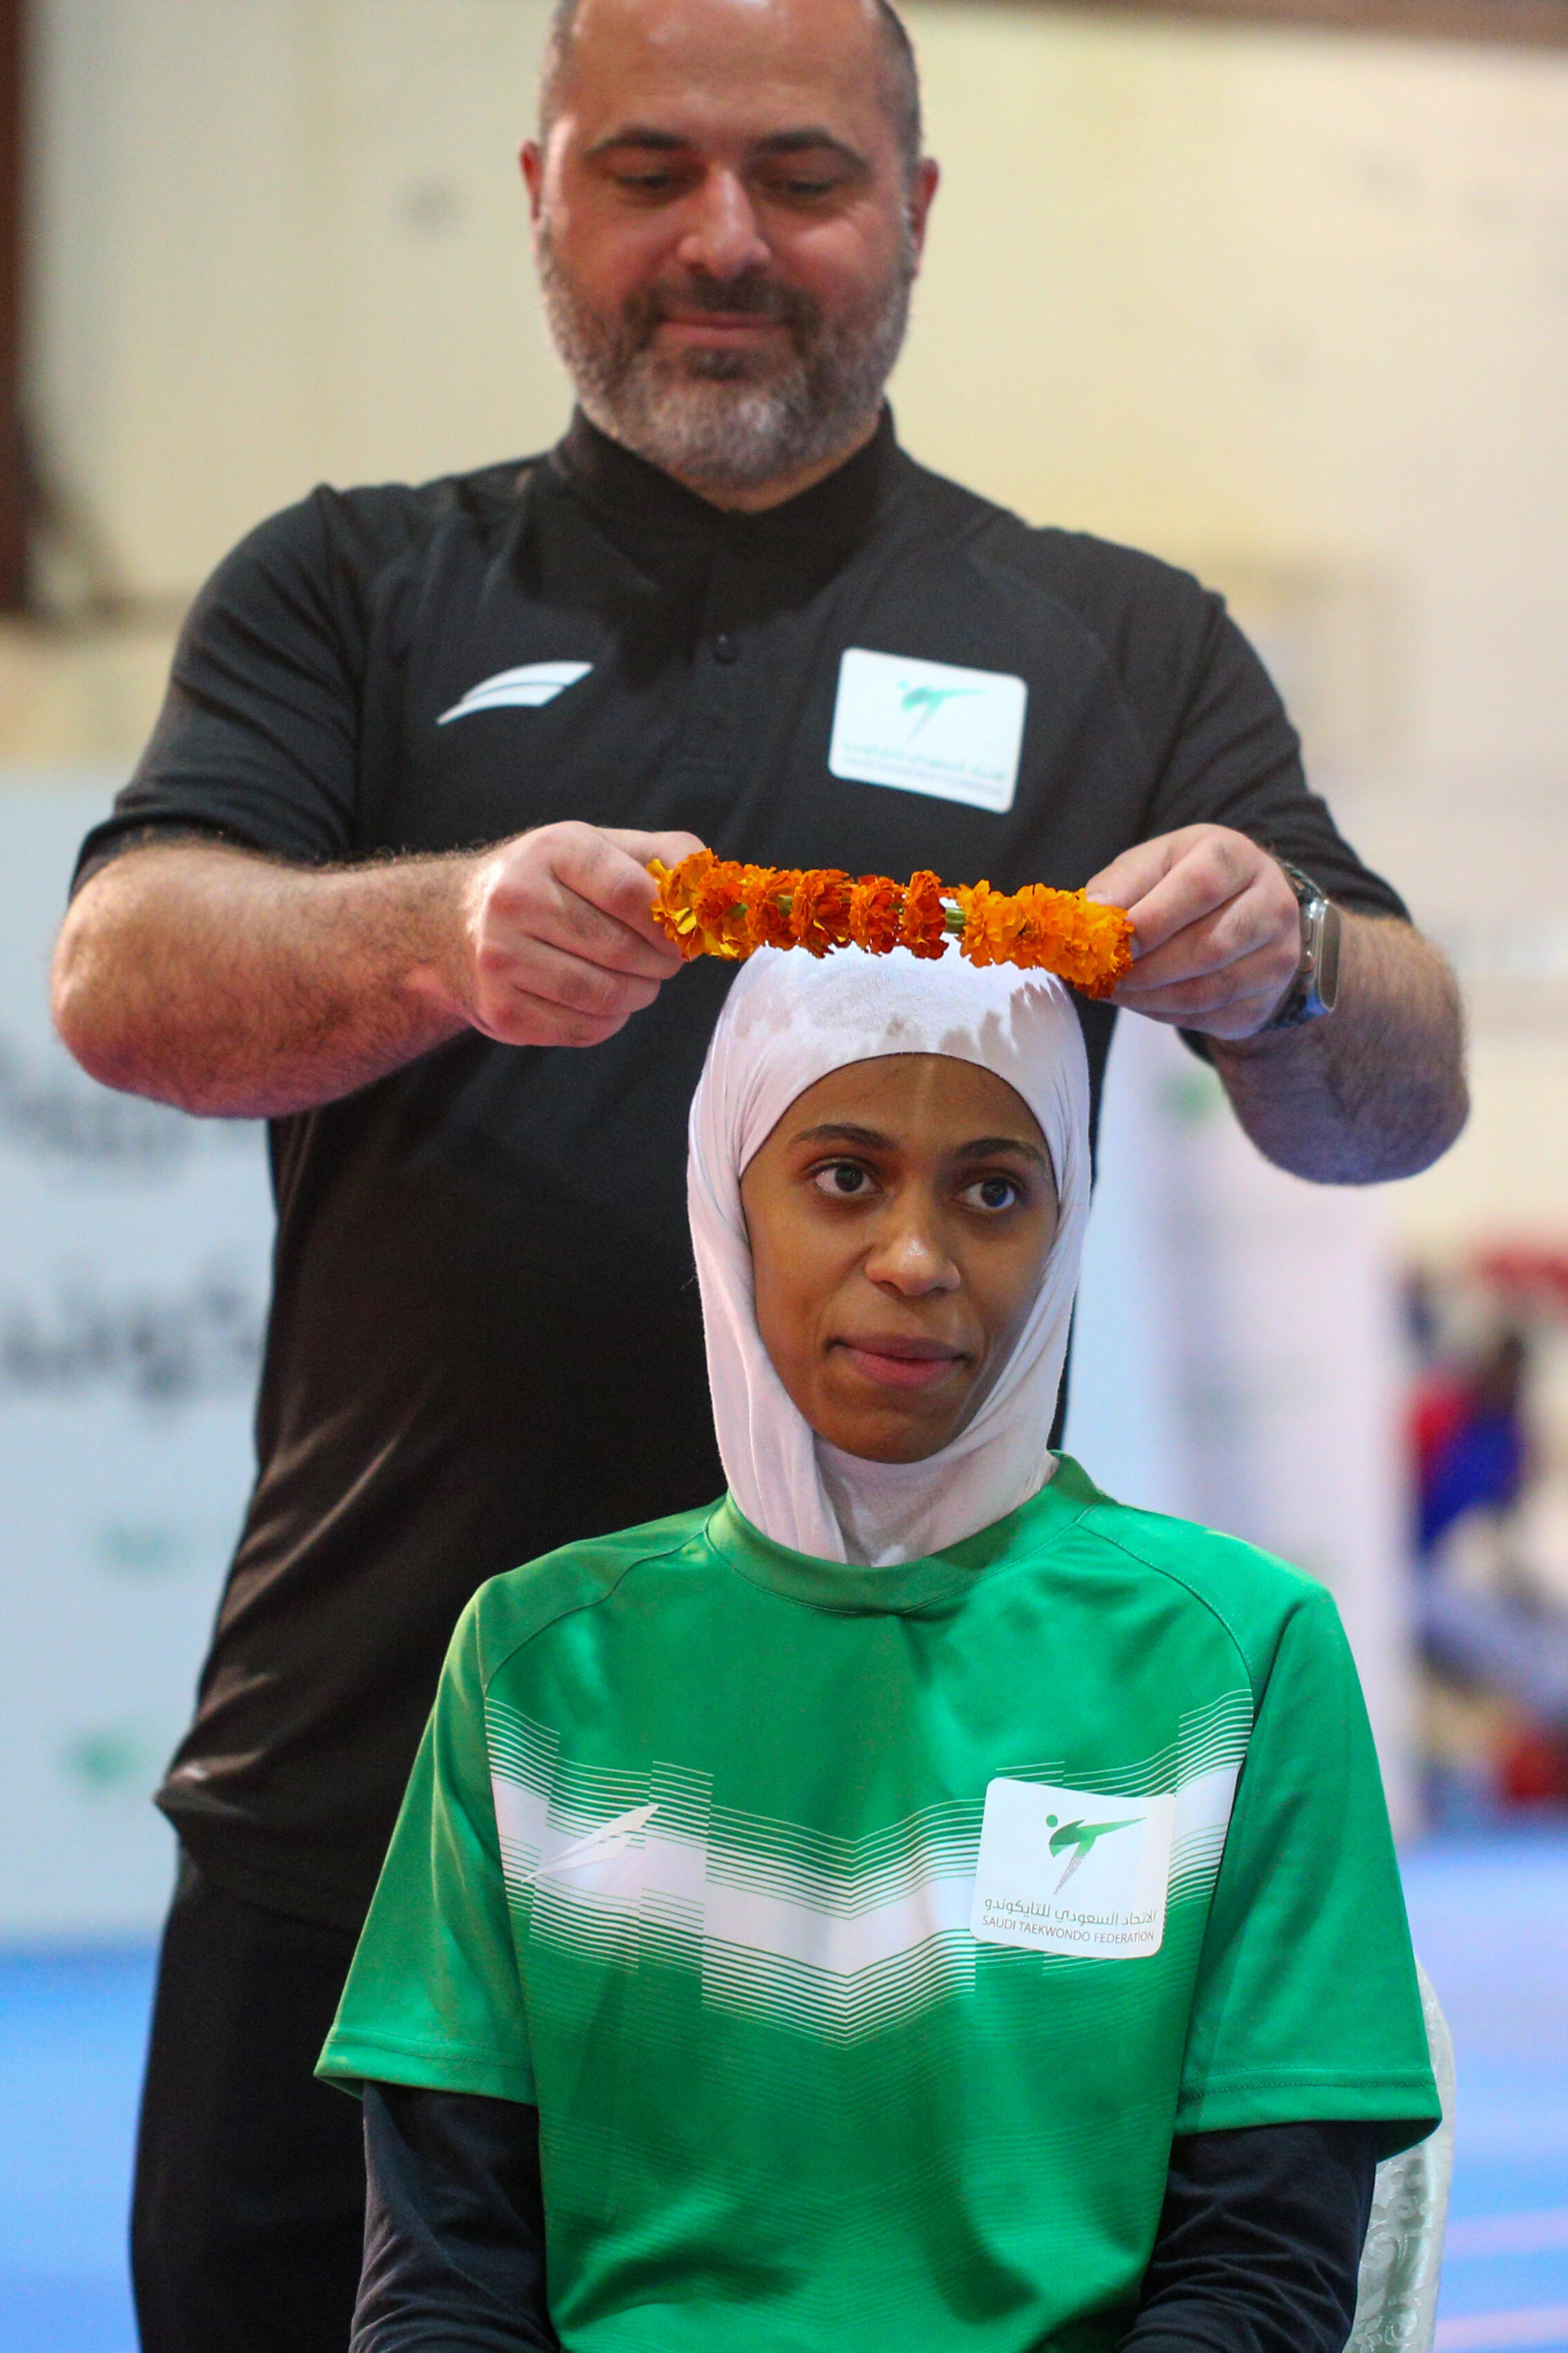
899,1217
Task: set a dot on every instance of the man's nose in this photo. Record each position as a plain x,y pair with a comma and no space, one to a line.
723,237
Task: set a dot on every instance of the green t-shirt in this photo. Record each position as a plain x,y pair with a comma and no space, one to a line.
864,1935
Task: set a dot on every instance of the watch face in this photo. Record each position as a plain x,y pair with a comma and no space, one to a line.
1326,978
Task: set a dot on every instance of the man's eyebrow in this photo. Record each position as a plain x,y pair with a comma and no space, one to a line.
811,139
639,134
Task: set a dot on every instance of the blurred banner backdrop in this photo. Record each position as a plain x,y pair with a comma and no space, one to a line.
132,1291
1238,1359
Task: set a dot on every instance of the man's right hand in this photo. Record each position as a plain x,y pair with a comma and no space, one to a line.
559,945
211,978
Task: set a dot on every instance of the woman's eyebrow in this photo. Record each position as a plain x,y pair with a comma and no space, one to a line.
872,1139
843,1131
986,1147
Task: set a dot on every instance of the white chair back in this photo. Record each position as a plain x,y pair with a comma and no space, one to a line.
1397,2302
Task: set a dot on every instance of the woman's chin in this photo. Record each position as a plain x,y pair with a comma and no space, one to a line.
886,1440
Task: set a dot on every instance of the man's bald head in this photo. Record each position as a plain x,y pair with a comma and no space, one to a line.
729,207
901,74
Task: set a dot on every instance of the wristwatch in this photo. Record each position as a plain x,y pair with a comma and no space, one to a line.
1317,982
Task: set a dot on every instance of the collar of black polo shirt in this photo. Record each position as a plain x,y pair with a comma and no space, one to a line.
638,502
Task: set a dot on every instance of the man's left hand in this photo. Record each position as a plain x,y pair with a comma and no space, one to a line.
1216,930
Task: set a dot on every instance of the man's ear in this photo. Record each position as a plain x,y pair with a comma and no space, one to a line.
922,188
531,158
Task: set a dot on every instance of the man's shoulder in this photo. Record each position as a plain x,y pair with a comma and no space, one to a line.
366,526
1099,578
1250,1592
511,1610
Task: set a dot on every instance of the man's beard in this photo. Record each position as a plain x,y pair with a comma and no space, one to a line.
712,417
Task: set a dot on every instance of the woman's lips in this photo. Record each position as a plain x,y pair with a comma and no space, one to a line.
902,1363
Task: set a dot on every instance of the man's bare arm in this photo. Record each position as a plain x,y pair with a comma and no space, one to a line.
225,983
1373,1089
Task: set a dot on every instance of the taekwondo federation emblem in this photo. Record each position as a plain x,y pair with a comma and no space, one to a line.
925,701
1075,1840
1073,1872
928,727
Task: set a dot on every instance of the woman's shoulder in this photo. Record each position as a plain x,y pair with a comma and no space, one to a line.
1251,1590
513,1609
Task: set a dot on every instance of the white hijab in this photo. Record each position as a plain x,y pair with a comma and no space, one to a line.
789,1020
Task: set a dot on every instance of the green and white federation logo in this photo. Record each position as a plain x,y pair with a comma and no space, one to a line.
928,727
1065,1871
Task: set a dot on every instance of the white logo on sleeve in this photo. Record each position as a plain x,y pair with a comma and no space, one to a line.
927,727
527,688
606,1845
1067,1872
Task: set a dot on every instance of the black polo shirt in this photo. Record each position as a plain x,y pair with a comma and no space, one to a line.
485,1337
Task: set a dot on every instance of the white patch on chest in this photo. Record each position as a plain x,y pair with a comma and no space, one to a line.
1067,1872
927,727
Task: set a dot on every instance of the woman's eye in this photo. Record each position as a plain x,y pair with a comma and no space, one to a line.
992,1193
842,1181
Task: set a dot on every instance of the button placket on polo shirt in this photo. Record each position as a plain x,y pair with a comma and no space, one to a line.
722,684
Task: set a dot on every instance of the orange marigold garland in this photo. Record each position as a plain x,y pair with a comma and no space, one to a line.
713,906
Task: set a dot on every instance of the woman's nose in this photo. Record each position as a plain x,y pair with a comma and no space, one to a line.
910,1258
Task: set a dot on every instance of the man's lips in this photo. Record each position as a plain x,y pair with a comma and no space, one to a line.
896,1364
722,327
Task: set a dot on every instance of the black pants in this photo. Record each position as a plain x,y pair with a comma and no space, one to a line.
249,2208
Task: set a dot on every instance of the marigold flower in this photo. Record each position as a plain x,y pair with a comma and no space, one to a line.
875,912
675,891
819,910
768,906
712,906
719,905
923,929
1065,933
993,925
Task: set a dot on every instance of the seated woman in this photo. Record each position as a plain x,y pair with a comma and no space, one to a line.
915,1901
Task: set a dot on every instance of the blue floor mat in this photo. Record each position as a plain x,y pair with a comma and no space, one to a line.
1490,1922
1491,1919
73,2028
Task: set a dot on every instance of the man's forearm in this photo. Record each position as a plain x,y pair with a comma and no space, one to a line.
1376,1089
226,983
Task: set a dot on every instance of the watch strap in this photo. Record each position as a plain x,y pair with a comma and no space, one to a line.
1315,988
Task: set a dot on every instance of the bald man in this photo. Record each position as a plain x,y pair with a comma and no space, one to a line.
380,878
